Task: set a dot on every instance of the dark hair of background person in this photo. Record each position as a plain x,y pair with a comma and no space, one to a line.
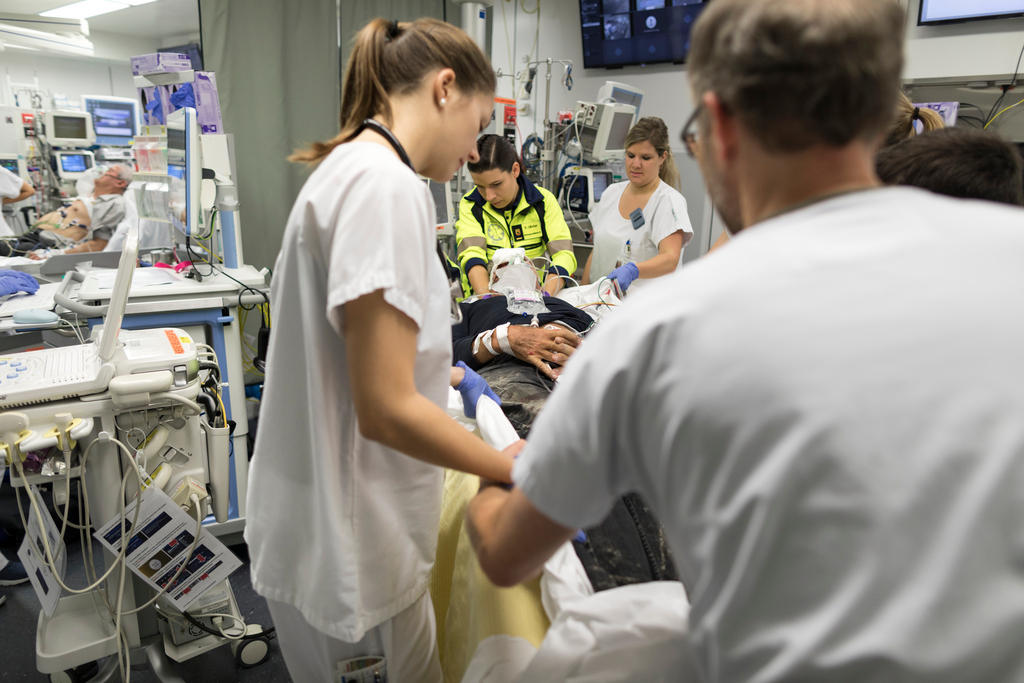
393,59
653,130
495,153
799,73
958,162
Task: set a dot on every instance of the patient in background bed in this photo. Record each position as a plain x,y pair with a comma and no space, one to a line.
85,225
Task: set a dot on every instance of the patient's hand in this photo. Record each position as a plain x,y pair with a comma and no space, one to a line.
542,345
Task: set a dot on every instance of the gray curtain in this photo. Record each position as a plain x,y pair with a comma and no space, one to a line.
277,74
355,14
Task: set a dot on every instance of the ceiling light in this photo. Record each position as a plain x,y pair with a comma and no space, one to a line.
85,9
134,3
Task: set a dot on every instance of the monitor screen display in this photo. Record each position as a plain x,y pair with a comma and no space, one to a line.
70,127
602,179
112,120
941,11
73,163
621,123
621,32
10,164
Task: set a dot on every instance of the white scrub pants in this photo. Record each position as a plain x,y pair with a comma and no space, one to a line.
408,641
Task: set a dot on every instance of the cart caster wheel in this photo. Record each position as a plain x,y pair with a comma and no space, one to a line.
77,675
252,652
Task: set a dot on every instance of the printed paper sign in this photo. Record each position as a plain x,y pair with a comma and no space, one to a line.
160,543
33,555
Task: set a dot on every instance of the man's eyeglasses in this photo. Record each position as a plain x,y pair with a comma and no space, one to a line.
689,134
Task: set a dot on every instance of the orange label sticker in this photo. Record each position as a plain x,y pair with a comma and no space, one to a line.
175,343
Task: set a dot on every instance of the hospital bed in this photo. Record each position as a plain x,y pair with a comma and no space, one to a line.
556,627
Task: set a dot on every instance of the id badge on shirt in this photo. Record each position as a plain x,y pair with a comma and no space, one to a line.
636,217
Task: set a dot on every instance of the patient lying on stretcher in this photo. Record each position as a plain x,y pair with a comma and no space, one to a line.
86,224
521,363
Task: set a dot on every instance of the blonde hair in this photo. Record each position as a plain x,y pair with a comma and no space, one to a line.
653,130
906,113
391,58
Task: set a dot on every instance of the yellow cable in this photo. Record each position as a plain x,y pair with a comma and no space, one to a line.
223,412
1003,111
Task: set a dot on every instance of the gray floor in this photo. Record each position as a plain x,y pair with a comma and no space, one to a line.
18,626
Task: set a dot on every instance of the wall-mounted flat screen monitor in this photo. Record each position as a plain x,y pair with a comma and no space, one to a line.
946,11
622,32
10,164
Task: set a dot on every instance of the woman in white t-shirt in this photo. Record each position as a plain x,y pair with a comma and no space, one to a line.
640,225
345,486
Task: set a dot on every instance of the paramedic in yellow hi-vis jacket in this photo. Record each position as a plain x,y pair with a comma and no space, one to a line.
507,210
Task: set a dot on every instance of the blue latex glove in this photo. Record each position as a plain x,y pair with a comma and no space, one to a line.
183,97
13,281
624,275
472,387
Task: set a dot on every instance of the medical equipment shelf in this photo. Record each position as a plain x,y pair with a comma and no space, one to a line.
74,635
194,648
164,78
190,304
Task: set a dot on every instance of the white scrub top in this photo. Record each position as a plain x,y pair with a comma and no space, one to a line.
826,417
664,214
340,527
10,187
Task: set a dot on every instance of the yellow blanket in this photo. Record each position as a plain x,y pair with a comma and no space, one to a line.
469,608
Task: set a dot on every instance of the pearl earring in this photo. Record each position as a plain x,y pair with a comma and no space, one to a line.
443,101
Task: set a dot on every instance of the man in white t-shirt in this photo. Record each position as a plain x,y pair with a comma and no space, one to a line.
12,189
825,414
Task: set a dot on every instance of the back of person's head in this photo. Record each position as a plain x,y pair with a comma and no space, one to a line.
907,117
653,130
495,152
799,73
958,162
393,58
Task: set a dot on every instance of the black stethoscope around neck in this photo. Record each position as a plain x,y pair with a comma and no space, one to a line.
386,133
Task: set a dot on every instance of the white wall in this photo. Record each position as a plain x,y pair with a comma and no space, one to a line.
965,51
106,74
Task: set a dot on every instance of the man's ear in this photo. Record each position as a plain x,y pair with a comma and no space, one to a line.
723,134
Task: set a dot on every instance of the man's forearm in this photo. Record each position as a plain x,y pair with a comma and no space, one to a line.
90,245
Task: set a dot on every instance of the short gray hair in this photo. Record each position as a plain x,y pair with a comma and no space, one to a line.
802,72
123,171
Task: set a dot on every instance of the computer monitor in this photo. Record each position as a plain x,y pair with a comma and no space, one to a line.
614,91
441,192
602,129
73,165
184,166
69,128
115,120
583,187
11,164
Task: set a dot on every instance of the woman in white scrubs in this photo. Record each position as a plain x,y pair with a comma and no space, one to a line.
640,225
346,481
